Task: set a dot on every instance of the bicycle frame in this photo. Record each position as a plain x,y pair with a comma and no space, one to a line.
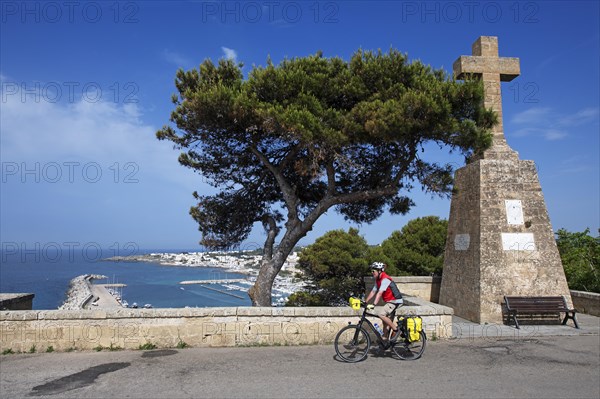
363,320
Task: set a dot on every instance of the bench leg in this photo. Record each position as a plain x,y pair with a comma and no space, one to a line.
514,317
572,316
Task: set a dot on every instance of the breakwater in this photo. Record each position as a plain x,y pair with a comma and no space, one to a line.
222,281
80,292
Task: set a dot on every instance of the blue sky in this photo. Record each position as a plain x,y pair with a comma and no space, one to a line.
85,86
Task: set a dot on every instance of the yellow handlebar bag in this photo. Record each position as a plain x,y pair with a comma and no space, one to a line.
354,303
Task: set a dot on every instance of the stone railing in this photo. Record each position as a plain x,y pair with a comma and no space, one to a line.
197,327
586,302
425,287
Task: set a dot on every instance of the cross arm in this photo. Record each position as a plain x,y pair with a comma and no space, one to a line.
508,68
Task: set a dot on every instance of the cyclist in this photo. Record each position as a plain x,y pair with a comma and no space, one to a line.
385,288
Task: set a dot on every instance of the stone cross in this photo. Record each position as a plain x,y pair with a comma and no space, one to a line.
492,69
500,240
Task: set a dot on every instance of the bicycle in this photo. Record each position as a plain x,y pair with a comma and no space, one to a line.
352,343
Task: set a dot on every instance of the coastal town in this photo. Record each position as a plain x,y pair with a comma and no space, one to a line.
83,293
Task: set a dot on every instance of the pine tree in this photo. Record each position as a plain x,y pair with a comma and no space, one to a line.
335,267
294,140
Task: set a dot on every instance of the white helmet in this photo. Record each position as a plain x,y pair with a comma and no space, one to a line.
377,266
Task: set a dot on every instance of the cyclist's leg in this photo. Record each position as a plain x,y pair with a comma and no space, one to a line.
395,327
385,318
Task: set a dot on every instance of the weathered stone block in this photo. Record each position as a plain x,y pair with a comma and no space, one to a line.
16,301
254,311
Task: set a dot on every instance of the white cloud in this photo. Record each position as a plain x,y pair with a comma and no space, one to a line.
550,125
229,53
51,154
553,134
82,131
582,117
547,133
528,131
532,115
576,165
175,58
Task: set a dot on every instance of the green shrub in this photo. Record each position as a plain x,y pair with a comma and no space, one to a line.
147,346
580,256
114,348
182,345
334,267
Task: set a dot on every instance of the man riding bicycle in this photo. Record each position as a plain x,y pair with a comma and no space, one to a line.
385,288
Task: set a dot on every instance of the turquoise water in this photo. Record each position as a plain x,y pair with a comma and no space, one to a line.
47,275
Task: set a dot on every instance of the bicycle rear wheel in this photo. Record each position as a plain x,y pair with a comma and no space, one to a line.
410,350
352,343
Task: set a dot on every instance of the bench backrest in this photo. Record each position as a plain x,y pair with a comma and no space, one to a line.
535,302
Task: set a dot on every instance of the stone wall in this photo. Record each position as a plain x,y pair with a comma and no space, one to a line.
197,327
586,302
424,287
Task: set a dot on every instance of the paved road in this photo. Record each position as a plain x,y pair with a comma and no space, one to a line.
542,367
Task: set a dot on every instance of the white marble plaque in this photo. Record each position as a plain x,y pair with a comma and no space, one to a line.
514,212
461,242
518,242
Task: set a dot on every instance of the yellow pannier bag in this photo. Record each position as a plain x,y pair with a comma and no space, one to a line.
413,326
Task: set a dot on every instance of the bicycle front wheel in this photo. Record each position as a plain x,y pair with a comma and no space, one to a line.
411,350
352,343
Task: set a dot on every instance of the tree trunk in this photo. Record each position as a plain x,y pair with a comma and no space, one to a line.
260,292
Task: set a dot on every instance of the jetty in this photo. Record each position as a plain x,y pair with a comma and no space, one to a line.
224,281
206,283
102,298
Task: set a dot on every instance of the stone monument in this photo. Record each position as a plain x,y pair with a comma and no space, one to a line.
500,240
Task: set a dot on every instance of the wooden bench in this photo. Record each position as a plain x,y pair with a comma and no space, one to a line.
519,305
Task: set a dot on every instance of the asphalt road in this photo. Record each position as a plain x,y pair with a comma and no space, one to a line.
545,367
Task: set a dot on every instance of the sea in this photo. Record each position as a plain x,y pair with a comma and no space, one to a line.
47,272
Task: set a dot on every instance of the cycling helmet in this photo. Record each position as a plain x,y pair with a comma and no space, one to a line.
377,266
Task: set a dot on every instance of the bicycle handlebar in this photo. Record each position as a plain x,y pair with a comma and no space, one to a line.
365,305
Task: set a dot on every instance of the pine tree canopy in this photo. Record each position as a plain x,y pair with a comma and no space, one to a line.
293,140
